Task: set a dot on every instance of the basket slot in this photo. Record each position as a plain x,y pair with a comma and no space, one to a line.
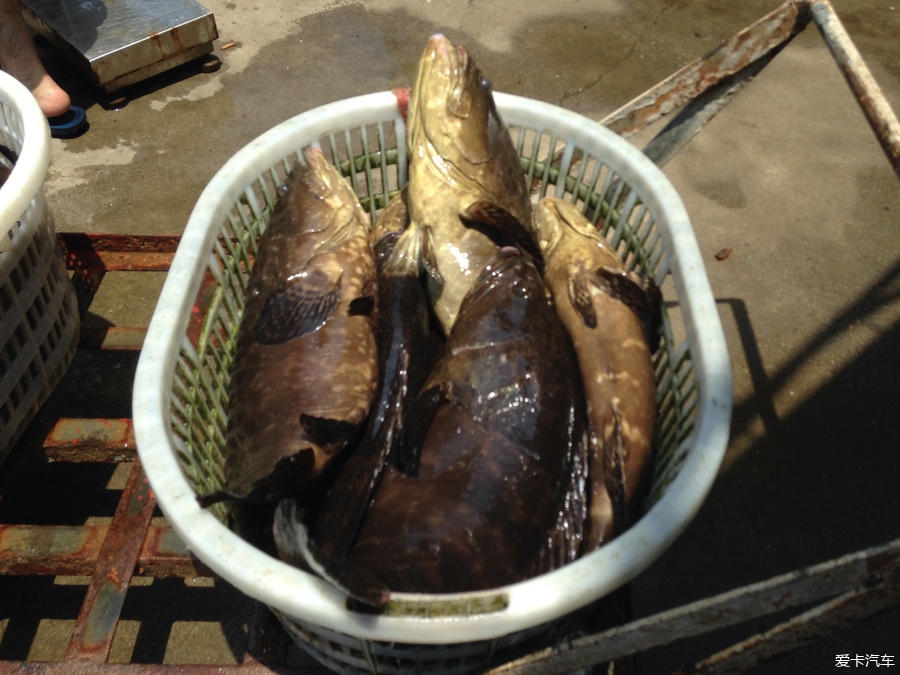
356,152
197,420
678,398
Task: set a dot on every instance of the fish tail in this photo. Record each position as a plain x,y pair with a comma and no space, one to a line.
296,547
413,254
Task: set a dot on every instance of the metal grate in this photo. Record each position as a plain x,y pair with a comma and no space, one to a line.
123,555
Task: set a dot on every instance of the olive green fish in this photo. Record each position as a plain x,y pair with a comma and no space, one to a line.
463,169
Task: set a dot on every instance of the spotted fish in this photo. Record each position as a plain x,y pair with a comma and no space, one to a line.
612,317
402,333
463,169
305,368
490,450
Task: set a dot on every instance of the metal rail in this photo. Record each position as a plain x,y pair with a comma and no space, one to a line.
702,88
111,555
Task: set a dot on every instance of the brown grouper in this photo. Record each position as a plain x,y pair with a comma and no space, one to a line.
305,368
402,334
612,316
463,169
489,492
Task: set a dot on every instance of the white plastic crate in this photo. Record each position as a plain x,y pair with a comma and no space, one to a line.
180,398
38,311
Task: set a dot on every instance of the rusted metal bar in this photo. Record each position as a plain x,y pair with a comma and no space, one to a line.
96,624
870,97
79,242
165,555
729,58
75,549
90,440
691,119
864,569
815,624
91,256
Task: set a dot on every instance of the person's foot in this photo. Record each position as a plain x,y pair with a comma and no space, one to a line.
50,96
19,58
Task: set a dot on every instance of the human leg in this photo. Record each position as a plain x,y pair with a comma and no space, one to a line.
19,58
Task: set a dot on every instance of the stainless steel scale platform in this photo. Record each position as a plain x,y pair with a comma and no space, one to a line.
121,42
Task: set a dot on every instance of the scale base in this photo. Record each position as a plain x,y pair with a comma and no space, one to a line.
124,42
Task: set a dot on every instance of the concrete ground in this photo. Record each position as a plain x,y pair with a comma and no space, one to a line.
789,176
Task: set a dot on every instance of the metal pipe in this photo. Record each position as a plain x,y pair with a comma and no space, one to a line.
869,95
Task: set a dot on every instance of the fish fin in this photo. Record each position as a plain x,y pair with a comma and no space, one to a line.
580,297
348,500
301,305
384,247
294,545
421,415
613,448
325,431
429,257
412,254
640,293
503,228
362,306
215,497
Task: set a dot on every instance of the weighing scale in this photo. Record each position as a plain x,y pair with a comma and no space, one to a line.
120,42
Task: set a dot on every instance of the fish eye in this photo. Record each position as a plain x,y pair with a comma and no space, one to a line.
520,288
485,84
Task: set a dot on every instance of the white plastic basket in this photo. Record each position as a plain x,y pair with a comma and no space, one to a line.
181,381
38,311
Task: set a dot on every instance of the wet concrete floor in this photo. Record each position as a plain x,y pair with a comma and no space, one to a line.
789,176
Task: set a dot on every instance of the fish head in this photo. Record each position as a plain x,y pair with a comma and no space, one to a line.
317,189
509,287
452,106
556,219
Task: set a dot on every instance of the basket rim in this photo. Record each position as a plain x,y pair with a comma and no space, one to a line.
532,602
27,177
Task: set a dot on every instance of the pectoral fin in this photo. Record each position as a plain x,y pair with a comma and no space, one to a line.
580,297
640,293
325,432
503,228
301,305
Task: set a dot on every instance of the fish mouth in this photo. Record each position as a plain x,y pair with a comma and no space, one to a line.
445,68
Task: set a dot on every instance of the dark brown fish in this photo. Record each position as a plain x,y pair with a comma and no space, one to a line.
402,335
305,368
490,451
612,317
463,167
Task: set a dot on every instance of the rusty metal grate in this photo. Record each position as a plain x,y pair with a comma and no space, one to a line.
119,552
